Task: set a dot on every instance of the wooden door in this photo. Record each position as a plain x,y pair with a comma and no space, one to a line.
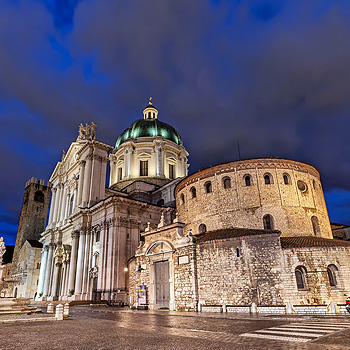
162,284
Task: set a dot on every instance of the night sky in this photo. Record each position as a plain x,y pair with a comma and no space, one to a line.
274,75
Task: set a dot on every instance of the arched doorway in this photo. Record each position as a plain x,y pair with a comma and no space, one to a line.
162,290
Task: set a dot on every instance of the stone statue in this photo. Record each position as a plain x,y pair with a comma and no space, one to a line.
2,249
93,130
87,132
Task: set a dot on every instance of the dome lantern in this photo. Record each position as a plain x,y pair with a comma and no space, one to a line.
150,112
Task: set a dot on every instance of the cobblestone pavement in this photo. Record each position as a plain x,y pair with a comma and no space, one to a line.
111,328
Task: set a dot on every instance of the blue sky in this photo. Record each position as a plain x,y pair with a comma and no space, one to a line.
273,74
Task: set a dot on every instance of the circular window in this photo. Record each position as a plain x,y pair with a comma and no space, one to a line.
302,186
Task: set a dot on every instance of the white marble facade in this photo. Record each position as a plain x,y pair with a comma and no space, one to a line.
92,230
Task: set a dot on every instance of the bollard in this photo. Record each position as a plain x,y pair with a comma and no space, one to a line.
59,312
332,308
224,308
253,308
289,308
66,310
50,308
199,307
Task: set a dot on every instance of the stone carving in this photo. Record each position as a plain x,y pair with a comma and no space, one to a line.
2,249
87,132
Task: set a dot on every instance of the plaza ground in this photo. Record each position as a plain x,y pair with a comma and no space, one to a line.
103,327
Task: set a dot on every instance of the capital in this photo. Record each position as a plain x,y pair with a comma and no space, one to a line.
75,234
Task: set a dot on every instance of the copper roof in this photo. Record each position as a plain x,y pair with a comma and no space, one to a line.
231,233
311,241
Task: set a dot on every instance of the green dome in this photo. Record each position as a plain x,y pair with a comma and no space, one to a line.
149,128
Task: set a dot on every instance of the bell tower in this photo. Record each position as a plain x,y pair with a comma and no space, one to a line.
33,217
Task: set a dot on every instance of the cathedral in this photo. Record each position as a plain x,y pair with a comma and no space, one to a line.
245,232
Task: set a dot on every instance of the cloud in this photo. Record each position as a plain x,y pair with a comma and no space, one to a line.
272,74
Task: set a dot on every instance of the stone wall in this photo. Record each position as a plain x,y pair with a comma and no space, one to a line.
245,206
316,261
253,276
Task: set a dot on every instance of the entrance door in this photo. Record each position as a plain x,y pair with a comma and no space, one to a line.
162,284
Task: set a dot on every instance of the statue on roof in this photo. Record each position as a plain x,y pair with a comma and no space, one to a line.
87,132
2,249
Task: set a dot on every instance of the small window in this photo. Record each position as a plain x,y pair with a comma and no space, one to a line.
39,196
238,253
332,272
171,171
315,225
248,180
314,184
97,236
120,174
208,187
268,222
300,275
202,228
182,198
227,183
302,186
143,168
286,179
193,192
268,179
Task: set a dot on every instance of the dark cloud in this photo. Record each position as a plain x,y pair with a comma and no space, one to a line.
272,74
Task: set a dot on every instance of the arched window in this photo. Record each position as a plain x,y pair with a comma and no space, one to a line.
300,275
227,183
268,179
208,187
248,180
237,252
202,228
268,222
314,184
315,225
286,179
39,196
182,198
193,192
332,272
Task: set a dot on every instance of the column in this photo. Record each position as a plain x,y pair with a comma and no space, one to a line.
101,260
80,263
159,148
73,261
59,203
68,201
54,214
127,160
66,275
48,269
43,265
64,203
95,179
103,178
86,278
56,276
87,181
81,182
113,172
52,204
